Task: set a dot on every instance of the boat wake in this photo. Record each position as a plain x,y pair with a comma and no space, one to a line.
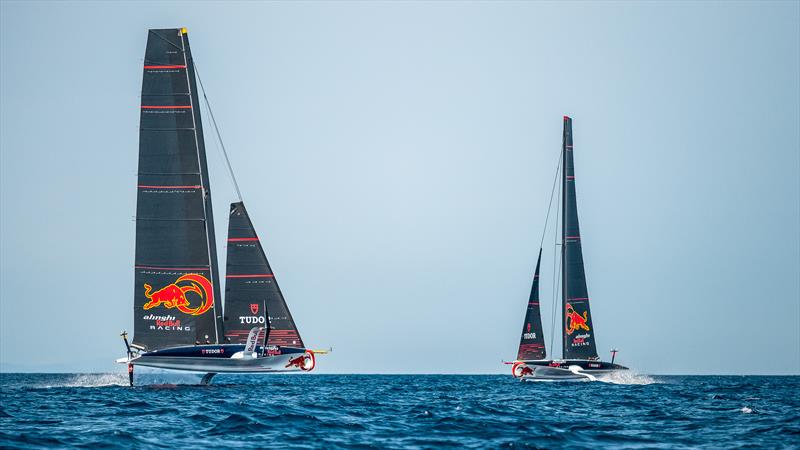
626,377
92,380
153,378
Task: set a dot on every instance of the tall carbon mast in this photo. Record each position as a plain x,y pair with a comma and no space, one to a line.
578,332
176,290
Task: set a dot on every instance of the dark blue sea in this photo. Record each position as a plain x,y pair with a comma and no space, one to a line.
397,411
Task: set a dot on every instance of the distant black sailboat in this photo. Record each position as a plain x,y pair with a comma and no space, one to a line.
179,321
580,360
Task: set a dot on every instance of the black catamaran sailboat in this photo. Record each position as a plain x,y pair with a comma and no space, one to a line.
580,360
178,315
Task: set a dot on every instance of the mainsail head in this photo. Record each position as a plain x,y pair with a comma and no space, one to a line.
252,295
578,331
176,293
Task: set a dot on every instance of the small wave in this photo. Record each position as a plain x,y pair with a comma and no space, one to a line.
235,424
746,410
626,377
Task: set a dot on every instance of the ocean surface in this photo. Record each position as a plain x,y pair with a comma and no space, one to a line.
397,411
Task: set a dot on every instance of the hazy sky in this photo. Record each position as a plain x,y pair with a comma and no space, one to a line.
396,159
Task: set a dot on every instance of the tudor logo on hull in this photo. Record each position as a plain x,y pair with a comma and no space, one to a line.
175,295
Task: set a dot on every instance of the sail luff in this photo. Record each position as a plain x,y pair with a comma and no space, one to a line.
531,344
578,331
174,291
563,233
202,159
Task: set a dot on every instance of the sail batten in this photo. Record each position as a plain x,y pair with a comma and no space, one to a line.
252,294
578,331
176,290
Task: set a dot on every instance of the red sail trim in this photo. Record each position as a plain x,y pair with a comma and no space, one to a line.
242,239
166,106
182,269
256,275
146,186
165,67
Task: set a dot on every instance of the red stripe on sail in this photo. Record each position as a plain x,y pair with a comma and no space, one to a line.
165,67
255,275
242,239
146,186
191,269
166,106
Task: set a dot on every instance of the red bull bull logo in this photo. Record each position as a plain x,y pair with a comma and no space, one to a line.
575,321
305,362
520,369
175,295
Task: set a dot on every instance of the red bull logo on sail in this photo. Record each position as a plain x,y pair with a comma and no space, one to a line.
575,321
175,295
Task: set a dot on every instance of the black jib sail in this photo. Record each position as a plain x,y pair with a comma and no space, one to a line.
176,292
251,291
577,321
531,343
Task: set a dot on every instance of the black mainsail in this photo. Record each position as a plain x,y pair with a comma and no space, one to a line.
531,343
252,295
577,321
176,292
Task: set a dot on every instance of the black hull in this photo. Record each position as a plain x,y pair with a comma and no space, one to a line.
227,358
563,370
